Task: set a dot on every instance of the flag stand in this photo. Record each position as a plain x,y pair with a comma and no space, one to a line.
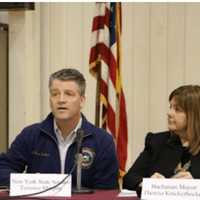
98,94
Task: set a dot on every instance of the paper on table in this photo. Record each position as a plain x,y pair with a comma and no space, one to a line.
127,193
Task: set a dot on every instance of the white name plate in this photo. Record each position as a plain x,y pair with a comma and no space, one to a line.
173,189
24,184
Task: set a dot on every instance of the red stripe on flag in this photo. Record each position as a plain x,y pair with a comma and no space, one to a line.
101,20
107,56
122,138
111,120
107,17
110,114
98,23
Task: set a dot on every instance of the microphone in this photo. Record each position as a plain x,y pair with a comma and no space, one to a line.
79,139
79,159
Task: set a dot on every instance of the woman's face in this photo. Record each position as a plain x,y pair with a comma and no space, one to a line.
177,121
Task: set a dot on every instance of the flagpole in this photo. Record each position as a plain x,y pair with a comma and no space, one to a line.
98,93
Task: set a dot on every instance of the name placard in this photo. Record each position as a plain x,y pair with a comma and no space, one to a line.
173,189
24,184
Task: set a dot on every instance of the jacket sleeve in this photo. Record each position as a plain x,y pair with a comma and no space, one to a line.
15,160
106,165
141,167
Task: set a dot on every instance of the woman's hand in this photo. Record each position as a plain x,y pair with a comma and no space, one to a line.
183,174
157,175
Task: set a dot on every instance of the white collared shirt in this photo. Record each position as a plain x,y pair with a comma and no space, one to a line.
64,144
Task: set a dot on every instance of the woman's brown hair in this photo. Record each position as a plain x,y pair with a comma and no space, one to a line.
188,98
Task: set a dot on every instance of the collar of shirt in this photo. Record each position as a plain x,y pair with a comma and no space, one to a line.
64,144
70,137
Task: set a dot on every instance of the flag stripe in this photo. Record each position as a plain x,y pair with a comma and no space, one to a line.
107,57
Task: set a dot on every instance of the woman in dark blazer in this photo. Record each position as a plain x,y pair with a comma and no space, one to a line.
174,153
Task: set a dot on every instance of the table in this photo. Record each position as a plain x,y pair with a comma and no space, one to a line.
97,195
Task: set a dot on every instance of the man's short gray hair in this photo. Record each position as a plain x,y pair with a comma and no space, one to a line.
69,74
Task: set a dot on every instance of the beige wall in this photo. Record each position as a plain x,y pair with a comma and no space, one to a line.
161,48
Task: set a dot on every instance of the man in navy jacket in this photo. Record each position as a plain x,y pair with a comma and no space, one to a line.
50,146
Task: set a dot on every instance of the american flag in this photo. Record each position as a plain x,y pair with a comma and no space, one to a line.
105,58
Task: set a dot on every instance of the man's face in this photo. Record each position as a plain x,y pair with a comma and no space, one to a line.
65,100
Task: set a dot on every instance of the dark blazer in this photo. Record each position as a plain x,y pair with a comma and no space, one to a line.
161,154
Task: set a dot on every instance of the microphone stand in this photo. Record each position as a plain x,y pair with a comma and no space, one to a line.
79,159
78,177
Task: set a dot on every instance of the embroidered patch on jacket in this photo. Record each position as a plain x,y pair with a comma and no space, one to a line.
42,154
88,157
